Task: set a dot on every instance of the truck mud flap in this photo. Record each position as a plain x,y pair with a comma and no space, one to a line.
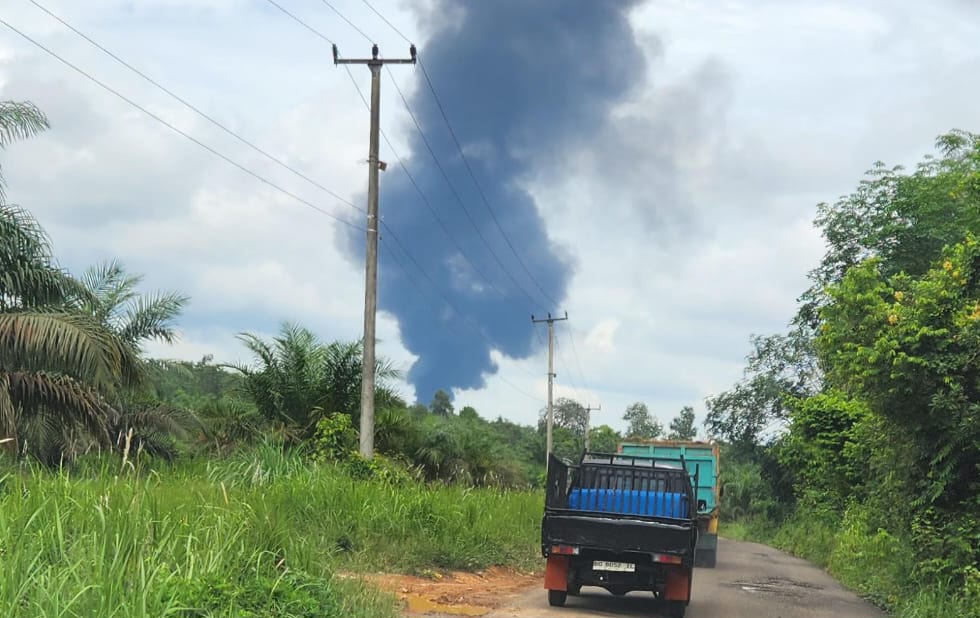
556,573
678,586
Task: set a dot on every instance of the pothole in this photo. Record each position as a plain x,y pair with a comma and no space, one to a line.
779,586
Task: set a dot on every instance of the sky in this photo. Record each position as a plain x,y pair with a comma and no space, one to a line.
652,168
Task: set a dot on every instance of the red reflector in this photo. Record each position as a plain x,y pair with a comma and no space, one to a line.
667,558
567,550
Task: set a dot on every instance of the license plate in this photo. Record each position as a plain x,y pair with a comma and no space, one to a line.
601,565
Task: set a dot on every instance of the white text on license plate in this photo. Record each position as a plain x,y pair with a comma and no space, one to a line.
601,565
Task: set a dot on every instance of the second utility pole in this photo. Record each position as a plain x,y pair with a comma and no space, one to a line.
551,376
588,423
371,261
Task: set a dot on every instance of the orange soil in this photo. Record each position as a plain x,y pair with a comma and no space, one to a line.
454,593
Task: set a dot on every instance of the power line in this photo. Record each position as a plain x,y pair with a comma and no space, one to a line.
300,21
459,199
390,232
385,20
197,110
179,131
571,337
349,22
418,288
462,155
479,188
435,159
425,200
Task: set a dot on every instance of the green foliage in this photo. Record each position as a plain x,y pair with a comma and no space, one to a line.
642,425
289,594
882,433
682,426
334,439
442,404
604,439
820,449
296,379
780,368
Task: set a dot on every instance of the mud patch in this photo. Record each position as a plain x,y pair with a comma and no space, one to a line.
453,593
777,586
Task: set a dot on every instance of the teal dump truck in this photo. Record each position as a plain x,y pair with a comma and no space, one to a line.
700,457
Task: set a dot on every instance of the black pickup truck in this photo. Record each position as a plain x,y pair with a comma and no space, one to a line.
620,522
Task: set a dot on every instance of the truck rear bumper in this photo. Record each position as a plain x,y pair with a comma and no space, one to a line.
669,582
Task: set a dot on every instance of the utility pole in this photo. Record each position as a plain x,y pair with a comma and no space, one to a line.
371,261
551,375
588,423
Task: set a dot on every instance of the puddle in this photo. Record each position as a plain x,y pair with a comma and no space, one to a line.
417,604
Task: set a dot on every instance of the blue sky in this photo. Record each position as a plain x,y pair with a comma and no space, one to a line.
675,211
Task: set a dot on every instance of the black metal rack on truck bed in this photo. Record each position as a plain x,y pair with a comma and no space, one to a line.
621,522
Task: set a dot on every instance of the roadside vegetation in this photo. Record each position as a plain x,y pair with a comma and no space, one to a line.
854,439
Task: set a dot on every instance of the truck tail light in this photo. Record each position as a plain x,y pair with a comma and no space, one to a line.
667,558
566,550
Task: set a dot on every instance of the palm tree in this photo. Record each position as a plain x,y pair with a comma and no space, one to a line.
18,120
135,317
56,366
296,379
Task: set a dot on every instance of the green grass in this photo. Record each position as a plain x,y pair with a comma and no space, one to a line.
259,535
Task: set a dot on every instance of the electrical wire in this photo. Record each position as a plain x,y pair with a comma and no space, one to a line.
179,131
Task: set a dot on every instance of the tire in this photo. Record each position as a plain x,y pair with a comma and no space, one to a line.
556,598
617,591
706,559
676,609
574,589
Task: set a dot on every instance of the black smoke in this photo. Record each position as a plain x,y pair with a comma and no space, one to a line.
520,80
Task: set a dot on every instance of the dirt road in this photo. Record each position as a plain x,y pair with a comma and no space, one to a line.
750,581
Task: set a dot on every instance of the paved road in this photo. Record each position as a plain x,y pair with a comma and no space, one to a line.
750,581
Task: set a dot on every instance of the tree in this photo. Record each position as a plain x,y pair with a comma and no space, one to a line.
469,412
682,427
604,439
568,414
135,317
641,424
56,366
296,379
904,219
442,404
780,368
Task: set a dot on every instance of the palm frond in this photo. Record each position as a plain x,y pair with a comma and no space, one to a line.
19,120
28,276
67,343
110,286
35,393
152,317
8,415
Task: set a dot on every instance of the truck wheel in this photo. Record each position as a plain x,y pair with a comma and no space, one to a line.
676,609
557,597
705,558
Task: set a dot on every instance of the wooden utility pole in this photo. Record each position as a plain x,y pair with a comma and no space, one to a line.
371,261
588,423
551,375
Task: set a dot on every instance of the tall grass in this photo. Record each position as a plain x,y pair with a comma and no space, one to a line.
256,535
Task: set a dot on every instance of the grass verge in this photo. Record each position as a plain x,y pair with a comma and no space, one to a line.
258,535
